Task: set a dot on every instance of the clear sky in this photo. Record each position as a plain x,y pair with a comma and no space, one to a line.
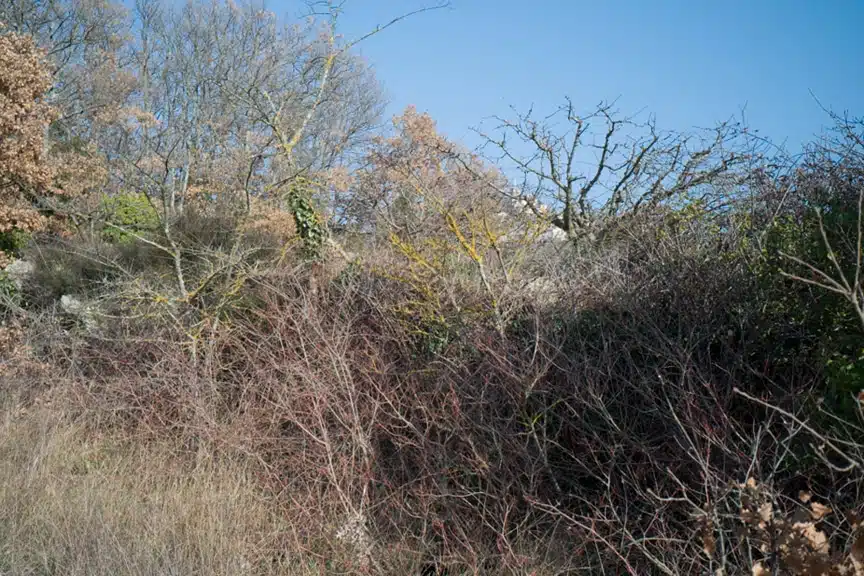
689,62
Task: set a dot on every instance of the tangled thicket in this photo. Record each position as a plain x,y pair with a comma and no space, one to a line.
386,354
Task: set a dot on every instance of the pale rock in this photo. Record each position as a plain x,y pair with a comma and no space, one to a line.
19,271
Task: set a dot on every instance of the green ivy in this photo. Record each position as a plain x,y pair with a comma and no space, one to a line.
306,218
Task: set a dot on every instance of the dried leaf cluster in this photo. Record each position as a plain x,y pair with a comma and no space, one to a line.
796,541
24,117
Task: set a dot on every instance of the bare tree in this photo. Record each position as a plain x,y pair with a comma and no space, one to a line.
595,168
210,101
78,36
192,116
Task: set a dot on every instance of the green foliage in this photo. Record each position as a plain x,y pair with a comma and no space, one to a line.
822,323
131,211
308,223
845,374
8,290
14,241
433,337
688,212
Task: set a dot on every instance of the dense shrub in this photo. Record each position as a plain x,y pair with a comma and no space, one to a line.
131,213
408,438
459,377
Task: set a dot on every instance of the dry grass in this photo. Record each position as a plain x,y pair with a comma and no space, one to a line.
73,501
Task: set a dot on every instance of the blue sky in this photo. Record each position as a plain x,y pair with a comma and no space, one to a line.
690,63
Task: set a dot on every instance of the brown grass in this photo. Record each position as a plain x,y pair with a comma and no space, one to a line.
75,501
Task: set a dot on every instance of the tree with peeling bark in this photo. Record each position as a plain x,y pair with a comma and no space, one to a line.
595,169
